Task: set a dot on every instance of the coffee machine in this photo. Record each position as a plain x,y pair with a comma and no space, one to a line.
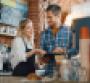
81,30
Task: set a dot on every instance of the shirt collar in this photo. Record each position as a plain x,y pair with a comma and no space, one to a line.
49,29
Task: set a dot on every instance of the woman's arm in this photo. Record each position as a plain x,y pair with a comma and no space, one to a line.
18,53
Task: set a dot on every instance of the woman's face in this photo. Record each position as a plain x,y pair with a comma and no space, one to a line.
28,30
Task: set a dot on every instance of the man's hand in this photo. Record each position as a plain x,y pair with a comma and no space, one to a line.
58,50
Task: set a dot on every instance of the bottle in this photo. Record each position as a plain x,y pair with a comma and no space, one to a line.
65,70
75,66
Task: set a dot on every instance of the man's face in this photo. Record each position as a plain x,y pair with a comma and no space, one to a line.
51,19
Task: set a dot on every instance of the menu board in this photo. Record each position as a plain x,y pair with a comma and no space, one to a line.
12,16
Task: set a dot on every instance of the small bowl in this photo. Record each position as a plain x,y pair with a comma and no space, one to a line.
39,72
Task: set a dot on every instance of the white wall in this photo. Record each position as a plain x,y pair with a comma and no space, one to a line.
78,11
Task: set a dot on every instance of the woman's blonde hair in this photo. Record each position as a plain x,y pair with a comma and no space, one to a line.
22,26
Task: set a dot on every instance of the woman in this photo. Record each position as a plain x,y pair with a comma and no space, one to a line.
23,59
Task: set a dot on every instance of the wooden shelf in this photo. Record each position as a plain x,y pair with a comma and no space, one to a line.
7,35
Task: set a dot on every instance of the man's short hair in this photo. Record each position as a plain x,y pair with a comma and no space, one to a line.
54,8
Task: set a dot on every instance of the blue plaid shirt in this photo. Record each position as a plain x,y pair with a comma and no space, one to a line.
49,42
63,39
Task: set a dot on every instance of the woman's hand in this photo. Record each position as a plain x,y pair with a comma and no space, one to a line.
39,52
36,51
29,54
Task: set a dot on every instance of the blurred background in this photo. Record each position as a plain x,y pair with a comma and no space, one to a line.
75,13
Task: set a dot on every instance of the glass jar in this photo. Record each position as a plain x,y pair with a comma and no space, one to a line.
65,70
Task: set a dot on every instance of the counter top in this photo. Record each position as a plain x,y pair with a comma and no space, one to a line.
11,79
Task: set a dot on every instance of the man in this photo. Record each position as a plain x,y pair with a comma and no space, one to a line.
57,38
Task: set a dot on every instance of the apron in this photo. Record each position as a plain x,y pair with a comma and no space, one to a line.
25,68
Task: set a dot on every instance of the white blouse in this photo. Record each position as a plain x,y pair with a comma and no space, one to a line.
18,50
